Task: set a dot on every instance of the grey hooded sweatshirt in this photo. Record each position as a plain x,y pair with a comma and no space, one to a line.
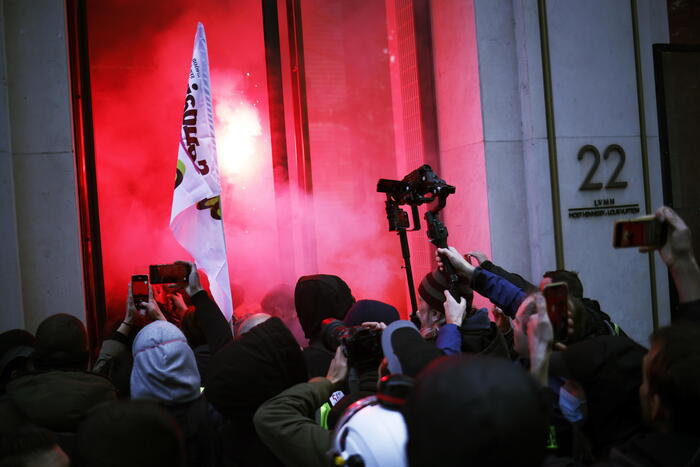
165,370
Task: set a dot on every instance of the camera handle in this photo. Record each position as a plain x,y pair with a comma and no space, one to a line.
437,234
399,223
406,253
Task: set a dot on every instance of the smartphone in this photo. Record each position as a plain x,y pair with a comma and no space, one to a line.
557,297
646,231
169,273
139,289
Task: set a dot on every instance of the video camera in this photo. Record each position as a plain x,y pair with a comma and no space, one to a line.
419,187
363,346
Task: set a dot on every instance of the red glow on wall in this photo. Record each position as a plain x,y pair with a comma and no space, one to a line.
139,56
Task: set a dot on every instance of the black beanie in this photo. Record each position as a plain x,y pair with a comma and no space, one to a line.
61,342
432,290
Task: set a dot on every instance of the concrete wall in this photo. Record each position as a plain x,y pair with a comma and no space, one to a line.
462,161
39,237
10,288
595,102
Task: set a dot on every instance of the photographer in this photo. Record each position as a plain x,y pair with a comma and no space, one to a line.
317,298
115,359
456,327
611,370
164,370
368,432
285,423
361,337
594,321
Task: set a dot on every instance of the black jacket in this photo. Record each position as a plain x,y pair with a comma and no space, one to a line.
657,450
318,358
244,374
610,370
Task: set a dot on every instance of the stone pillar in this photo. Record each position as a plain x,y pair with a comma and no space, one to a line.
595,105
40,238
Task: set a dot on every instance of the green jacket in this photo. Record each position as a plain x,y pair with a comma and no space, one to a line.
286,424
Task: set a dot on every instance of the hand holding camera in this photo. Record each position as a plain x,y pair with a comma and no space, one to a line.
461,265
454,312
339,367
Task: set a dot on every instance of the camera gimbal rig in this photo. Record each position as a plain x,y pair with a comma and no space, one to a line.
419,187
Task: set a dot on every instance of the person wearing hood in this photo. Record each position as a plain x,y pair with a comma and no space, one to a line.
366,312
58,393
165,371
316,298
258,365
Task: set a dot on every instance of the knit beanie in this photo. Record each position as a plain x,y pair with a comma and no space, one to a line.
432,290
371,310
61,342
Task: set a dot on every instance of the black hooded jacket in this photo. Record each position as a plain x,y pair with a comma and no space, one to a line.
316,298
244,374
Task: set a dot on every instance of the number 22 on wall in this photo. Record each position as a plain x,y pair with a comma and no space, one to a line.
613,182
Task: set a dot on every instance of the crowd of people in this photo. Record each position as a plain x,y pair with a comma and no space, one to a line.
318,378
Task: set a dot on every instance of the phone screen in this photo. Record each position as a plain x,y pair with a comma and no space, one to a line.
557,297
168,273
139,288
645,231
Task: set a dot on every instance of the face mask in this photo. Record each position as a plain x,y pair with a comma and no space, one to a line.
571,406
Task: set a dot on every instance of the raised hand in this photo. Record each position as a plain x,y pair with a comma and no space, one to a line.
339,367
194,284
478,256
460,265
540,336
454,312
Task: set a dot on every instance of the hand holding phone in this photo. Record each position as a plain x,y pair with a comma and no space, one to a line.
557,298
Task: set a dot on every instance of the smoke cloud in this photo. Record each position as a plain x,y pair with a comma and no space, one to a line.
140,54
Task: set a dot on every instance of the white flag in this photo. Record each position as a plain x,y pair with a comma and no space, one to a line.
196,219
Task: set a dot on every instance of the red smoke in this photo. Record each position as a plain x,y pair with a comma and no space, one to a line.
140,54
